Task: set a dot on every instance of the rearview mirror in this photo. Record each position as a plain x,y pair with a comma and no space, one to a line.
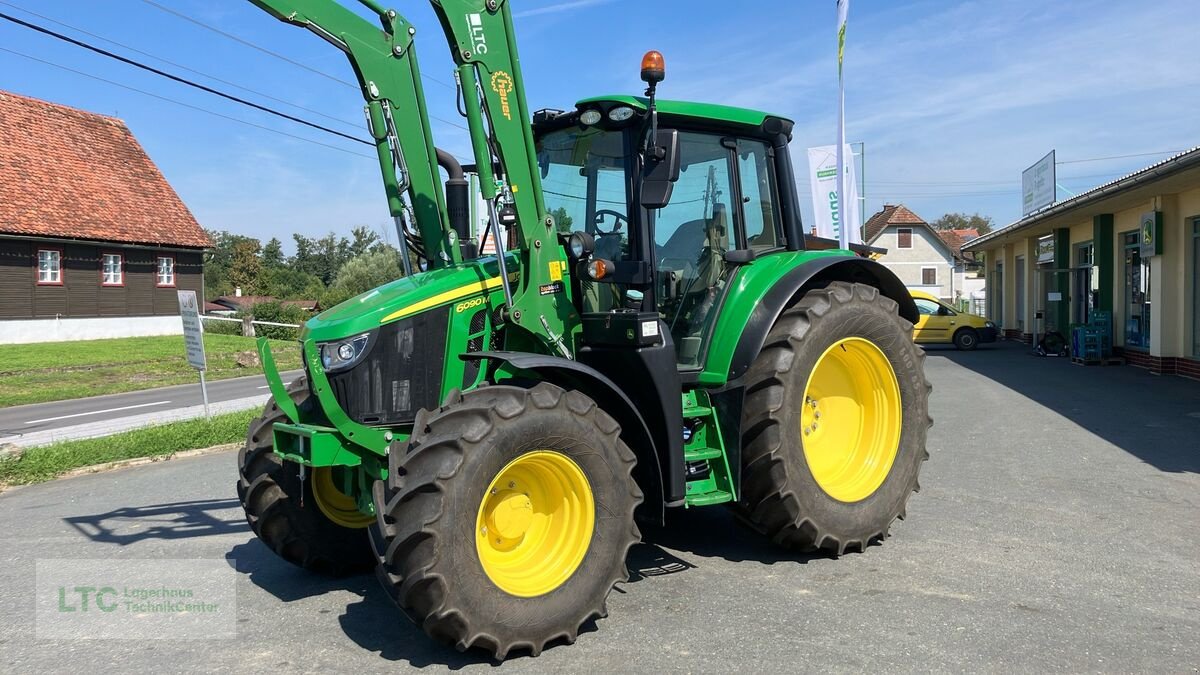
660,169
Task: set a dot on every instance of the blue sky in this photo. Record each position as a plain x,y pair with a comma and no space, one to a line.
952,100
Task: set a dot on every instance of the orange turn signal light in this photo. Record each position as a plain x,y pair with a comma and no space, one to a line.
598,268
654,70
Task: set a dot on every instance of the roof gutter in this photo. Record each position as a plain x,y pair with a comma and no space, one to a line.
1173,165
106,244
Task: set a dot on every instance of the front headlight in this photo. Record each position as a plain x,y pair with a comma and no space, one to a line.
989,324
342,354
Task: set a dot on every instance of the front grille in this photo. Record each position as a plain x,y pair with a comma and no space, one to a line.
401,374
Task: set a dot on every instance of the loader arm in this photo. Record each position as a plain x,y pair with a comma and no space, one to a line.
482,43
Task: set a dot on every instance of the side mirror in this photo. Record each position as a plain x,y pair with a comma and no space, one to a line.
660,169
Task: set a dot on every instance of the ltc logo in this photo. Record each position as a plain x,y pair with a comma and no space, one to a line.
82,595
502,84
475,21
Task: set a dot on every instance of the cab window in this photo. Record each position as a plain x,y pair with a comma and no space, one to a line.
760,204
691,236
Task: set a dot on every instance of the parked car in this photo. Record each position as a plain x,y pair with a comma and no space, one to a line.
942,324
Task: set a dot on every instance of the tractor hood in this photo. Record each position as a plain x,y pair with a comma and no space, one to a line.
407,296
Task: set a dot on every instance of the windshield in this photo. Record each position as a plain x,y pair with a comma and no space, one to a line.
585,184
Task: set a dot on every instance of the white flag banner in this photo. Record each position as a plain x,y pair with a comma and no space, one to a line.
822,181
844,238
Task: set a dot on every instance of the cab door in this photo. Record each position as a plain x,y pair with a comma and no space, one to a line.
934,323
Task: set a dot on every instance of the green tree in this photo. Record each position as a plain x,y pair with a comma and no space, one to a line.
562,220
963,221
362,274
219,260
286,283
362,240
272,254
245,266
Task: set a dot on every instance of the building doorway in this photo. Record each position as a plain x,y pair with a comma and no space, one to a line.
1019,282
1137,294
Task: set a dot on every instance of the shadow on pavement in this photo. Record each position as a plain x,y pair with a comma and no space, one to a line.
714,532
1153,417
179,520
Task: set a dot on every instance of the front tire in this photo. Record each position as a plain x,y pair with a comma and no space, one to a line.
966,339
285,512
505,520
834,482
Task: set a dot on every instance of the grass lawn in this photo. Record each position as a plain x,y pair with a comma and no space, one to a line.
54,371
45,462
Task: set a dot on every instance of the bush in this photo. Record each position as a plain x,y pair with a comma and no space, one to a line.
214,327
361,275
276,312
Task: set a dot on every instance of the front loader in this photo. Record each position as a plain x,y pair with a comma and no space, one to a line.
654,332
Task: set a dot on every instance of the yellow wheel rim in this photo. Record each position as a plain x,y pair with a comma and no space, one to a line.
336,505
535,523
850,421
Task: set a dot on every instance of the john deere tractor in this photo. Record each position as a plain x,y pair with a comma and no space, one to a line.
654,331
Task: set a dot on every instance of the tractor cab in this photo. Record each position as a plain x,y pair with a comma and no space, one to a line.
726,208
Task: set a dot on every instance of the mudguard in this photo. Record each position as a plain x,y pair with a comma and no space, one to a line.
808,275
575,375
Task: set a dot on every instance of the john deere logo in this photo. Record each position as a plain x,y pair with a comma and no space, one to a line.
502,84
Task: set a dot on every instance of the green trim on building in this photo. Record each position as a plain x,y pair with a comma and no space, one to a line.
1103,259
1062,261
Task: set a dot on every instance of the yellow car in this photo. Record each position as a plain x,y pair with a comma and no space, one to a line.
939,323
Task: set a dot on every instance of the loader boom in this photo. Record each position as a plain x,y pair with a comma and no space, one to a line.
481,41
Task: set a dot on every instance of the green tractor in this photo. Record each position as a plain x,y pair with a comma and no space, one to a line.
654,331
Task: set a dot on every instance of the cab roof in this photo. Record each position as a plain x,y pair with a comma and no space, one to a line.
723,113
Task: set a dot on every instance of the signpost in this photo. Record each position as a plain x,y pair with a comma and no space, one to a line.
1038,185
193,340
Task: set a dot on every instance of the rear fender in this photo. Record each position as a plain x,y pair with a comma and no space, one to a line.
799,280
581,377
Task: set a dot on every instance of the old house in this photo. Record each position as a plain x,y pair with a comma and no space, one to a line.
93,240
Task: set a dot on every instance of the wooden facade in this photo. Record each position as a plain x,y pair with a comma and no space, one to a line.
81,291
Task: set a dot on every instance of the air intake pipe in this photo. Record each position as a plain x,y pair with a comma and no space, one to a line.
458,203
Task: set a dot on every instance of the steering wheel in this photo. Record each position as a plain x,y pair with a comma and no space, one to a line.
618,218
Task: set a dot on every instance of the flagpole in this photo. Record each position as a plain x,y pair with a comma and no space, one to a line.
843,7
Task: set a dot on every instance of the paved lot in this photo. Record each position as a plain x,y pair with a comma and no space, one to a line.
1057,530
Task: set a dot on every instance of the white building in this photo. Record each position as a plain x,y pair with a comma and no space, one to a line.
923,258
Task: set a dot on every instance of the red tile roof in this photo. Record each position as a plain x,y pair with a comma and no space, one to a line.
74,174
956,238
891,214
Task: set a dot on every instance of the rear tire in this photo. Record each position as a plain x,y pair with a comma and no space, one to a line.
781,495
966,339
433,555
284,513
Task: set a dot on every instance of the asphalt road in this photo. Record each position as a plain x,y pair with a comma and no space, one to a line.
1056,531
37,418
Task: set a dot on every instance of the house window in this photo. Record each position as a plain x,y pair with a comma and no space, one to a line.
166,271
49,270
929,276
904,237
111,272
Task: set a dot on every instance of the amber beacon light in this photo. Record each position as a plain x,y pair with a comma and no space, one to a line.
653,68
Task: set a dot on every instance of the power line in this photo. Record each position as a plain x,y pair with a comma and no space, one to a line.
182,80
264,50
135,50
186,105
1101,159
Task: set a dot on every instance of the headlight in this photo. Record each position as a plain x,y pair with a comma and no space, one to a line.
620,114
343,354
590,117
580,244
989,324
